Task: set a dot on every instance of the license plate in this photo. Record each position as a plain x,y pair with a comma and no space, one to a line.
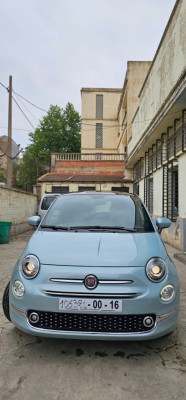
74,304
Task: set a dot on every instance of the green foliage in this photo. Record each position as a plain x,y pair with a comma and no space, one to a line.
58,132
2,175
15,175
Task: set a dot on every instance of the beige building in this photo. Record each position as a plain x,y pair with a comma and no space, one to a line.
129,100
99,120
147,121
107,113
76,172
144,126
157,145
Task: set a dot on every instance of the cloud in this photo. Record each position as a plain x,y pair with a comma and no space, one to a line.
52,48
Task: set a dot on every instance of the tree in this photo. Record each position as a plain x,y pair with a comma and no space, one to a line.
2,175
57,132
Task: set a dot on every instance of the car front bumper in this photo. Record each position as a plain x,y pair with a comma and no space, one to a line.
164,324
42,296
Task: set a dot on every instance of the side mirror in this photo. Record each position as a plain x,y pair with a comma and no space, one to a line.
162,223
34,221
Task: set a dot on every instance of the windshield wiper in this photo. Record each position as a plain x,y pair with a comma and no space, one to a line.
89,228
103,227
55,227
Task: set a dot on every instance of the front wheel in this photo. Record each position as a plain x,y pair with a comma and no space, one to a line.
5,302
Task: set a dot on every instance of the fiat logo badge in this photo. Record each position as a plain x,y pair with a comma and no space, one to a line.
91,281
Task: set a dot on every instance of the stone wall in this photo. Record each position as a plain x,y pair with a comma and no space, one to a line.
17,206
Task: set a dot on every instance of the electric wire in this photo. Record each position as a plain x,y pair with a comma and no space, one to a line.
128,124
23,113
15,129
83,123
28,101
36,119
4,86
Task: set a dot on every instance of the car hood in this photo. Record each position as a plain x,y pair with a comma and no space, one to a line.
94,248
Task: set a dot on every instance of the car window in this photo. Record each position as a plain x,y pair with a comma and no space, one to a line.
47,201
103,210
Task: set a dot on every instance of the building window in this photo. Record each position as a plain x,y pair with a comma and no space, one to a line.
86,188
99,136
136,188
99,106
170,191
120,189
60,189
148,195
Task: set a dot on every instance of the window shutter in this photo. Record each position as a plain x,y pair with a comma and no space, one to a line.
99,106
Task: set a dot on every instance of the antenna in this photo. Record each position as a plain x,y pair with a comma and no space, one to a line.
8,147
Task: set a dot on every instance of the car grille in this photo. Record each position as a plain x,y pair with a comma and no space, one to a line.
91,322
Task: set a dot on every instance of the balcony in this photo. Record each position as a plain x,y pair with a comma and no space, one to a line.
89,156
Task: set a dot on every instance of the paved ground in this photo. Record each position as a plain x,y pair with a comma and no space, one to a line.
47,369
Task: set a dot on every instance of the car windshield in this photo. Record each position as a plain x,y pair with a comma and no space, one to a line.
47,201
98,211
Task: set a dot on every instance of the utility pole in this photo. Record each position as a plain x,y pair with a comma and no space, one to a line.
9,161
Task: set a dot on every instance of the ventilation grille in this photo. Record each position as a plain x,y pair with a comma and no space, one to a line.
92,322
99,136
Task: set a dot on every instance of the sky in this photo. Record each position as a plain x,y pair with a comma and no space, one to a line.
53,48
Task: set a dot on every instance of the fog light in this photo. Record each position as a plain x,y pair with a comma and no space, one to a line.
34,318
167,293
18,288
148,321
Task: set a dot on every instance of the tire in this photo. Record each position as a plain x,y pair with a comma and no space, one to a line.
5,302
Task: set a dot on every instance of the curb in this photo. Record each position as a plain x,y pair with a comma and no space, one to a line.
181,257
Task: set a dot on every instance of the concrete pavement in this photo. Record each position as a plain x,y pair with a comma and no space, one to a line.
49,369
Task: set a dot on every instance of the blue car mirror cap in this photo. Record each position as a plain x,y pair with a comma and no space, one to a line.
34,221
162,222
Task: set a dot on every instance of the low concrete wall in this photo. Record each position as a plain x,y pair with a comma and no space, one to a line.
17,206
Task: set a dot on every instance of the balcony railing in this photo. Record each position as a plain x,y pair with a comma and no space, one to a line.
90,156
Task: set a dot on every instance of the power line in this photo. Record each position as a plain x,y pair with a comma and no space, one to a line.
126,124
18,106
16,129
4,86
34,105
83,123
23,113
36,119
94,125
28,101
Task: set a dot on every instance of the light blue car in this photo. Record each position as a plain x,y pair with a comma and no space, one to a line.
95,268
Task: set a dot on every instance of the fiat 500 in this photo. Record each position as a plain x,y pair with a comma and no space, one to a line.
95,268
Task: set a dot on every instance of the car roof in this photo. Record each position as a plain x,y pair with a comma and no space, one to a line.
51,194
100,193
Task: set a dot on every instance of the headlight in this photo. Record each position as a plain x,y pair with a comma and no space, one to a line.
167,292
156,269
18,288
30,266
